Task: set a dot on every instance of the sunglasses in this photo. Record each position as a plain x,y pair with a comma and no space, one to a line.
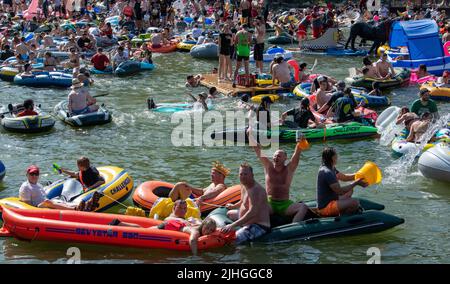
34,174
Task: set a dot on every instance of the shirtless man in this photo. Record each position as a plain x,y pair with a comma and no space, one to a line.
279,177
322,94
406,117
260,33
384,68
22,49
70,44
182,190
245,8
371,69
419,127
254,210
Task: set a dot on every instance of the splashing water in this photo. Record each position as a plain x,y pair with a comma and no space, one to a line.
398,171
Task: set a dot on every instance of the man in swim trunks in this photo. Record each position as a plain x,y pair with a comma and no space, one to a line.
332,198
260,34
254,212
384,68
80,101
182,190
279,177
242,39
282,73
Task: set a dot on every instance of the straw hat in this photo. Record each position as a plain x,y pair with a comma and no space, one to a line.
219,167
76,84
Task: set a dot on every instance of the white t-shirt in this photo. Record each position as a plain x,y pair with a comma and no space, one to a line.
33,194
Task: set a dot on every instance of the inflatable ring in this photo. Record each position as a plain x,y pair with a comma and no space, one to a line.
163,207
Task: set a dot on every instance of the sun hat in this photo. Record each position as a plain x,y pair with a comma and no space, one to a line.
76,84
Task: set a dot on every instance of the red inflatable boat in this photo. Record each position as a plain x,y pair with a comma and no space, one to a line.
147,193
94,228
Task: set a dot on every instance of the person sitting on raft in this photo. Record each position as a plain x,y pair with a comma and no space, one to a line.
27,67
344,108
50,62
74,59
425,104
384,68
120,57
339,93
332,198
87,175
302,75
303,117
281,72
422,71
315,84
406,117
145,54
443,81
100,61
419,127
371,69
254,210
28,106
176,222
278,176
32,193
182,190
193,81
323,94
80,102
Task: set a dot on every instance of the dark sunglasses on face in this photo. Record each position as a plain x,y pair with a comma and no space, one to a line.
34,174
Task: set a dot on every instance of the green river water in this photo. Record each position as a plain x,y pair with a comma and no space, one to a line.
139,141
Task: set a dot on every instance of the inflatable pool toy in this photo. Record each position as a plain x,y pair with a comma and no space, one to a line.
372,220
101,116
258,98
402,76
170,47
130,67
304,90
435,162
94,228
370,173
148,192
2,171
163,207
45,80
270,53
438,93
27,124
400,147
387,118
117,187
177,107
186,46
414,80
205,51
8,73
334,52
349,130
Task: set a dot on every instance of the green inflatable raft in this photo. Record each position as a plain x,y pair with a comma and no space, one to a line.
402,76
349,130
371,220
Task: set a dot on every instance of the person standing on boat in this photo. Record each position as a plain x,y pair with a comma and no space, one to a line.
332,198
242,39
254,212
384,68
258,51
278,176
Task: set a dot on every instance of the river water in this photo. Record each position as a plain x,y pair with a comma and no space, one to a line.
140,142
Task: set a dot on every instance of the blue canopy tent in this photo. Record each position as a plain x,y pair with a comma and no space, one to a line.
424,45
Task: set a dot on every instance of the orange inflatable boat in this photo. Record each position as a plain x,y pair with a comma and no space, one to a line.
94,228
146,194
170,47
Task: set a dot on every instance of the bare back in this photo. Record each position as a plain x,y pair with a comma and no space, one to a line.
255,199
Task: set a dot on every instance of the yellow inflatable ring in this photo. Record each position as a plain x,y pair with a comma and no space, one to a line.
163,208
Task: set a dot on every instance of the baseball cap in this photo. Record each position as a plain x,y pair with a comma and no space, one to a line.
32,170
424,90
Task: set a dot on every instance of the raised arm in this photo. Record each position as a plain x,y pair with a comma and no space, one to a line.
295,160
257,148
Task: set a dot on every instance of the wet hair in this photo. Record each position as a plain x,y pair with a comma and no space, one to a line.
189,77
365,70
366,61
404,109
246,165
304,103
28,104
327,156
425,115
83,161
212,90
206,222
302,66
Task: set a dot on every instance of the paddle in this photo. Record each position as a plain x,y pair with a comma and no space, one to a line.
10,109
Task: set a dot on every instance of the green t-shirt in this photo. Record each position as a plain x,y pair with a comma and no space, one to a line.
418,108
